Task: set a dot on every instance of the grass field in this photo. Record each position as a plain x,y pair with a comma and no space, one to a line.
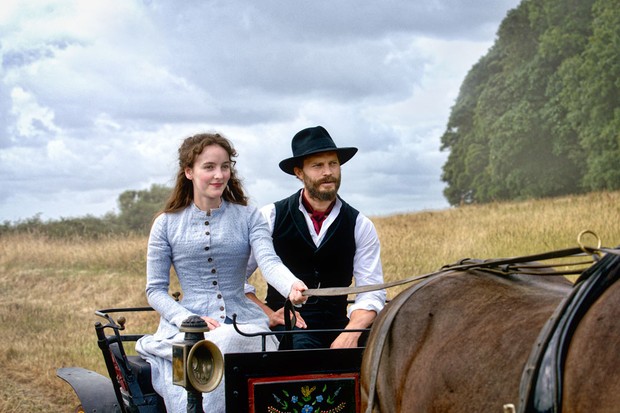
50,288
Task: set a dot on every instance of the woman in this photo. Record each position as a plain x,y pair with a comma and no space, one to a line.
206,232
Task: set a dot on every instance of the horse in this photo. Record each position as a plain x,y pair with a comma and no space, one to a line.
481,340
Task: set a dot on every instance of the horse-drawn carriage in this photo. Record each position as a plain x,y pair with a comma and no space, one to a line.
480,336
300,381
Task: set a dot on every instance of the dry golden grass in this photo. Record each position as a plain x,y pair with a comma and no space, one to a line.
50,288
424,242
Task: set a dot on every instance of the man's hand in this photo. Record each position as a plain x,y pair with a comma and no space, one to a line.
276,318
346,340
359,319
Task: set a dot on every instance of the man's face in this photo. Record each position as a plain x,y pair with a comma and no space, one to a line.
321,175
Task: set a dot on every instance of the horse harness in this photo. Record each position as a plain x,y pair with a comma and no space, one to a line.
542,393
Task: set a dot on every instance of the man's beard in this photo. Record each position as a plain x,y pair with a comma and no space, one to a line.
314,191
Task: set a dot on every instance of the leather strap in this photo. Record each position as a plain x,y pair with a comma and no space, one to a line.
290,319
541,389
504,265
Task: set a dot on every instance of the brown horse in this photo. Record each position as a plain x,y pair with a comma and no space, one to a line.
460,340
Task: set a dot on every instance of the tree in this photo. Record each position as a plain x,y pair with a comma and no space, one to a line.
592,97
138,208
538,115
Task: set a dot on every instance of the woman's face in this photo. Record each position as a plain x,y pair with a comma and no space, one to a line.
210,175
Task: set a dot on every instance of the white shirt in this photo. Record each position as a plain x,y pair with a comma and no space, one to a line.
367,269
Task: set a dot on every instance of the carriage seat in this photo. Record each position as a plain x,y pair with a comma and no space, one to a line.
139,367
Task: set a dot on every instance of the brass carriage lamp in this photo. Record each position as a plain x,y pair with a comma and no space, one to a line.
197,364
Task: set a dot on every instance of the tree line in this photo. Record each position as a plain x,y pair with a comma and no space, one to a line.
539,114
137,208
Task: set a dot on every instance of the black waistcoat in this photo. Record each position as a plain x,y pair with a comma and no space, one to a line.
328,265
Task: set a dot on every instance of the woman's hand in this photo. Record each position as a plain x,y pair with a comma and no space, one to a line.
211,322
295,295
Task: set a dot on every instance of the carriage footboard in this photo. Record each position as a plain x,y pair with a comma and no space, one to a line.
295,380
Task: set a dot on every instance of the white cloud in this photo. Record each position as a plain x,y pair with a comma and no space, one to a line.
31,119
96,96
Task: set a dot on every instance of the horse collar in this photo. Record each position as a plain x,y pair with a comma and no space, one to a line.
542,392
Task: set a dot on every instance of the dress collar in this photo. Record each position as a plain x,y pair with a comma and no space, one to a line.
210,212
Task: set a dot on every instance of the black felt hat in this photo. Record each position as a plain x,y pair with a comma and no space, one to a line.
310,141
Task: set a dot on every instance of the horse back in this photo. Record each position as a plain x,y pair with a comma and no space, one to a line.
459,341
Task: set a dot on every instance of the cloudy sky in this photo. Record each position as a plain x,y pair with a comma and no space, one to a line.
96,96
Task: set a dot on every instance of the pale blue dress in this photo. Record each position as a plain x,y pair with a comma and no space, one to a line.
209,252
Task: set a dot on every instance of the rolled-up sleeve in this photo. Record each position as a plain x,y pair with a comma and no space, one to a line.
367,268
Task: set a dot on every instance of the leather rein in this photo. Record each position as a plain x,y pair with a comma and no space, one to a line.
499,266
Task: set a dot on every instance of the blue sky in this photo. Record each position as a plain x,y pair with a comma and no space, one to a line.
96,96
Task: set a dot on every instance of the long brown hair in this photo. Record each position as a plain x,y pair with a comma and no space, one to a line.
183,192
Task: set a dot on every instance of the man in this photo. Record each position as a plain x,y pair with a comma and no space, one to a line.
326,243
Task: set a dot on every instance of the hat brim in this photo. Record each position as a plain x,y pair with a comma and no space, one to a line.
344,154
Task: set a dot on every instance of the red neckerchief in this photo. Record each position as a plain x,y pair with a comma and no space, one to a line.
317,217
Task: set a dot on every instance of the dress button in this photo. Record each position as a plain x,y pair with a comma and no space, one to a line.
222,317
206,248
210,259
206,222
213,271
214,282
207,233
219,296
222,308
